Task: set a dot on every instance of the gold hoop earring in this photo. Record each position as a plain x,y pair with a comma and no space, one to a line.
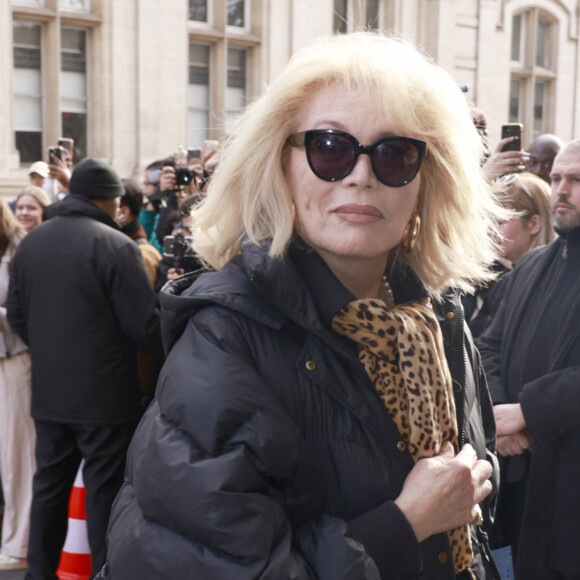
411,234
293,211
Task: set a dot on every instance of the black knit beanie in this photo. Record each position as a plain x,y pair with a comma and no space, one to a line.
95,179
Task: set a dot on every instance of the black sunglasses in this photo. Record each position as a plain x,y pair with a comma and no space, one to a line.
333,154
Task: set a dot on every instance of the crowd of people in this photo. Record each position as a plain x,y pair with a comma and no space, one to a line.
369,332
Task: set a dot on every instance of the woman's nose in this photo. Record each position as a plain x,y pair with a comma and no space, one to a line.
362,174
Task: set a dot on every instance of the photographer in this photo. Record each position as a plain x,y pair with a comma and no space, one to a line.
178,256
175,184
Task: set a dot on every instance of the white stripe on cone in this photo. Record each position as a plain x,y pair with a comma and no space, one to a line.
77,541
79,482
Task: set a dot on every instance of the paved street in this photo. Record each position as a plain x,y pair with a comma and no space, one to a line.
15,575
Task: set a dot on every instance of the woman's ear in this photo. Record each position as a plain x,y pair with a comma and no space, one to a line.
534,224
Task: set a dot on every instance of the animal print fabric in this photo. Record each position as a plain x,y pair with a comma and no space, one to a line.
402,351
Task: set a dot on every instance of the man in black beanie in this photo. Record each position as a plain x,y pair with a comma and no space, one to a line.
80,297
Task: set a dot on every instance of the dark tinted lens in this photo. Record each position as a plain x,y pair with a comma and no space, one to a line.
395,162
330,156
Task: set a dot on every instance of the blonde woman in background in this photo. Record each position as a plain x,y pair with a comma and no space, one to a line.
530,226
529,196
17,434
30,207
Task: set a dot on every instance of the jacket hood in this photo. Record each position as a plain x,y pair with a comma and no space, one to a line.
270,291
230,287
78,206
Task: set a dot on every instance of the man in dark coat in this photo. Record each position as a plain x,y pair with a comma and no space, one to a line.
531,354
80,298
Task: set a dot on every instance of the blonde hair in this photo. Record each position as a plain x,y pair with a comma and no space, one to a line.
249,196
529,195
37,193
10,228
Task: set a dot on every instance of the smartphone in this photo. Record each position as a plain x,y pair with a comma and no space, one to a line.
513,130
209,147
193,155
56,151
67,143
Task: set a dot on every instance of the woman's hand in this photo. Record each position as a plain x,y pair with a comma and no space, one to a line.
440,493
501,161
509,419
514,444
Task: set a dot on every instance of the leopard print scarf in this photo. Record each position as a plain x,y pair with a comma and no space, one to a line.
402,351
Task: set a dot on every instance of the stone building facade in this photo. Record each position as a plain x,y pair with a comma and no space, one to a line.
131,80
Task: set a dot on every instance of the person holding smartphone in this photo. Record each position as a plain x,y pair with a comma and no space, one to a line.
508,157
59,172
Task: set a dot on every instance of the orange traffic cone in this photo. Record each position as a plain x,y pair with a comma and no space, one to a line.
75,560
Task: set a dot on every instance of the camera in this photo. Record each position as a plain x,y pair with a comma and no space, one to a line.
178,247
183,176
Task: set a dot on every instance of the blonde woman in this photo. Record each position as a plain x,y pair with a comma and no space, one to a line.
306,423
17,435
529,226
30,207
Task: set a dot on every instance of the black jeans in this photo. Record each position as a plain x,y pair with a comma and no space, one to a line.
59,450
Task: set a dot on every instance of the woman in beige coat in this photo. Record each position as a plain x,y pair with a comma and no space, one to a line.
17,435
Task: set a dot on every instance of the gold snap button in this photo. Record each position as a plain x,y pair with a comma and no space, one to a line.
443,557
450,315
401,446
310,365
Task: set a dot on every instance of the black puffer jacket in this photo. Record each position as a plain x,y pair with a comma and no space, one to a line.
268,453
80,297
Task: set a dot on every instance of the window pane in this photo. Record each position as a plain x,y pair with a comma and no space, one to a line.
543,43
73,86
197,127
27,81
236,89
515,100
198,95
539,107
198,10
236,13
372,14
237,68
340,16
74,5
26,45
29,2
74,125
198,64
517,35
29,145
27,86
27,113
73,53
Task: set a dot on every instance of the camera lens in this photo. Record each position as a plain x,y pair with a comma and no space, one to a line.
183,176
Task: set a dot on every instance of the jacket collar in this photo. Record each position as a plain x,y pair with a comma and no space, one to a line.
79,206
